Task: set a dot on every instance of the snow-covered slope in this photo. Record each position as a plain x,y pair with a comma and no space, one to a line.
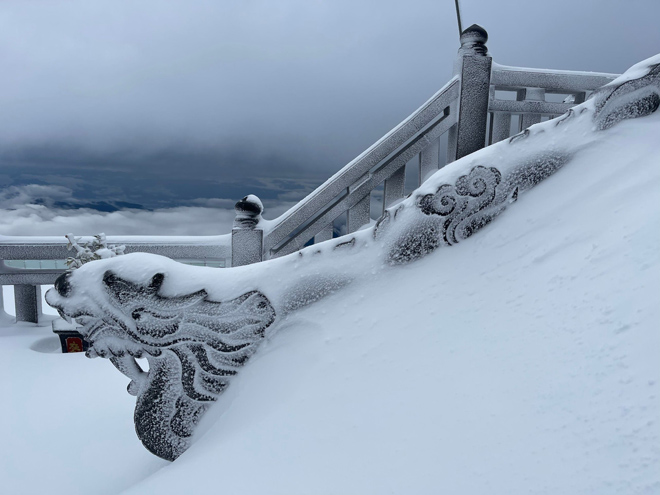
523,360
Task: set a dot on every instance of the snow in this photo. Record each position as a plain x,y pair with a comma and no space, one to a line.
523,360
67,422
511,68
638,70
212,240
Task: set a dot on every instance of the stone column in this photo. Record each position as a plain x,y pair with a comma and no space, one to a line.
247,239
27,299
473,65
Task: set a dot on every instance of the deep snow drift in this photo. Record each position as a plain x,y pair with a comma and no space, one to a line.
521,360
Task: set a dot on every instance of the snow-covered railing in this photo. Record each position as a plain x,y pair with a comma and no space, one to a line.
532,91
472,108
197,330
482,104
383,163
29,262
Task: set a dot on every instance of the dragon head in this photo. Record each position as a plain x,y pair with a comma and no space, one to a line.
193,345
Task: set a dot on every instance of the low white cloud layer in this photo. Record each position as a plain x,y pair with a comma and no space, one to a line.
41,220
29,210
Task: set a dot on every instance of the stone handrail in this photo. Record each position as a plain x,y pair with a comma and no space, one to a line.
530,87
353,183
197,330
467,108
27,282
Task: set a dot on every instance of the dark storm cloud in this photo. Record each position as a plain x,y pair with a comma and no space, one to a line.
277,79
182,95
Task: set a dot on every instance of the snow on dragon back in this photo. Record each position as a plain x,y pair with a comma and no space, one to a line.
198,326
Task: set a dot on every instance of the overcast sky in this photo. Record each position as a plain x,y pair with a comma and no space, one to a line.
105,97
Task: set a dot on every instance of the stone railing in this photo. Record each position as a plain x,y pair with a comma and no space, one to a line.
482,104
197,330
27,263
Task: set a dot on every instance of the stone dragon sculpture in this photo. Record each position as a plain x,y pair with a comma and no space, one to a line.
197,335
193,346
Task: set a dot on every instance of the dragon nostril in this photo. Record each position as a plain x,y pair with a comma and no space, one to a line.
62,285
109,278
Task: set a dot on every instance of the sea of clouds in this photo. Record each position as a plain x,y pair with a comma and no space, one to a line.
35,209
32,210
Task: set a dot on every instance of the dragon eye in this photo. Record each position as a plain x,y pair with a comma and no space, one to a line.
62,285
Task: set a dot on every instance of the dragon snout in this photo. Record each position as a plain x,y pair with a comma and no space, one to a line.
62,284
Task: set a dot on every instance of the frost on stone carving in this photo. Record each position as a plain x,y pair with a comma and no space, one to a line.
193,345
630,100
457,210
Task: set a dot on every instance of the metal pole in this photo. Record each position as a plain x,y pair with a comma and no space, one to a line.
458,16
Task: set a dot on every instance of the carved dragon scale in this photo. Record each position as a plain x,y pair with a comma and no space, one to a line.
195,345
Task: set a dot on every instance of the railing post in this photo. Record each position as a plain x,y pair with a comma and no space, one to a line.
473,65
27,300
533,94
3,312
246,239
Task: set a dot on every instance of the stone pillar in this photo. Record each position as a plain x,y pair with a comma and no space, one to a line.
3,312
246,239
473,65
27,299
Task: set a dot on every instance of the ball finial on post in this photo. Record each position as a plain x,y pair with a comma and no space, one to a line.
248,212
246,237
474,39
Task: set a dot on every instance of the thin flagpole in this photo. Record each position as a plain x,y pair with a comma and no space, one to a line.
458,16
